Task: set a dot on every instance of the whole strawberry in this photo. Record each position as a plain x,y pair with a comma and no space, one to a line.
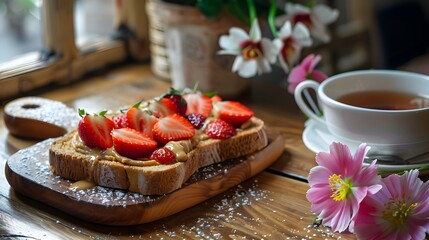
219,129
178,100
120,120
196,119
163,155
94,130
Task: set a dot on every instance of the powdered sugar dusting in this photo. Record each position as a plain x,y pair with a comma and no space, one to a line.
43,110
33,163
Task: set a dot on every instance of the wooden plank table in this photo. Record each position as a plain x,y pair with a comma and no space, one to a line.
271,205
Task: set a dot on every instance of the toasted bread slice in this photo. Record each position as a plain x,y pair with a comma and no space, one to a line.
104,169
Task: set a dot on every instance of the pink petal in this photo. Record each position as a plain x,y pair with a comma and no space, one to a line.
318,76
359,157
319,175
367,176
319,196
342,157
341,219
307,62
297,75
314,63
326,160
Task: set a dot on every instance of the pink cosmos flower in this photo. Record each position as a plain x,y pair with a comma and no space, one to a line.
306,70
400,210
339,184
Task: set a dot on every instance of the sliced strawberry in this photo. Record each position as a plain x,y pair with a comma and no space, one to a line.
94,130
132,143
234,113
178,100
120,120
172,128
216,98
163,107
140,120
198,103
163,155
219,129
196,119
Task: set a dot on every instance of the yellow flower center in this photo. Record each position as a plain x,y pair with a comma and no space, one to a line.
340,188
250,50
396,213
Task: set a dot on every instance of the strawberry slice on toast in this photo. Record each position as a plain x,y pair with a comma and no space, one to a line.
94,130
172,128
140,120
198,103
232,112
132,143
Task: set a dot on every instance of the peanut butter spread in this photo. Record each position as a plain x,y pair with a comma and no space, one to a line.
180,148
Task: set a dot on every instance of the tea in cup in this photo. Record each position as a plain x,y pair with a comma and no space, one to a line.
387,109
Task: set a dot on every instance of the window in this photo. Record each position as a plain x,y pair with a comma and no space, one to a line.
66,53
20,28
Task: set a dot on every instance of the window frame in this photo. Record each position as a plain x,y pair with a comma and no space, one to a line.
61,61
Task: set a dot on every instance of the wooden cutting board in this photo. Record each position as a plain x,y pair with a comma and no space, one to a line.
28,172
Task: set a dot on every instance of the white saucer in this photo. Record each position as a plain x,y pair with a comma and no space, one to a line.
317,138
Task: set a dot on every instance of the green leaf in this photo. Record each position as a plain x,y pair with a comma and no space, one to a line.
210,8
103,113
239,9
81,112
137,105
210,94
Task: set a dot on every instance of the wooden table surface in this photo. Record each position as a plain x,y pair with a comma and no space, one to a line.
271,205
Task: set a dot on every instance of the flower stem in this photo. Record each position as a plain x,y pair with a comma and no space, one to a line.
271,16
402,171
252,10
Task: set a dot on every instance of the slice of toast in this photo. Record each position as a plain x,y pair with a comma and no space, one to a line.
104,169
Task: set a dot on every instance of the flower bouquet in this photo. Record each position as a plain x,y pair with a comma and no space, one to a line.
351,198
290,26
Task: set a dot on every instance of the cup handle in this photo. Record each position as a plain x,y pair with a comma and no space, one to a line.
302,87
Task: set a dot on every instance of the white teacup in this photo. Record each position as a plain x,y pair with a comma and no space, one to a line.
403,133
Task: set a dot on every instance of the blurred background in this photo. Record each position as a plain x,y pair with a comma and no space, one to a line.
391,34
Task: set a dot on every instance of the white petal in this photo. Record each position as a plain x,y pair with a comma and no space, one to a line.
319,30
234,39
278,43
229,52
325,14
248,69
286,30
292,8
263,66
321,34
238,62
302,35
280,20
255,31
269,49
283,64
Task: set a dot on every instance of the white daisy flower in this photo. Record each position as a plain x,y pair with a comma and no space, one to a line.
290,43
254,53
